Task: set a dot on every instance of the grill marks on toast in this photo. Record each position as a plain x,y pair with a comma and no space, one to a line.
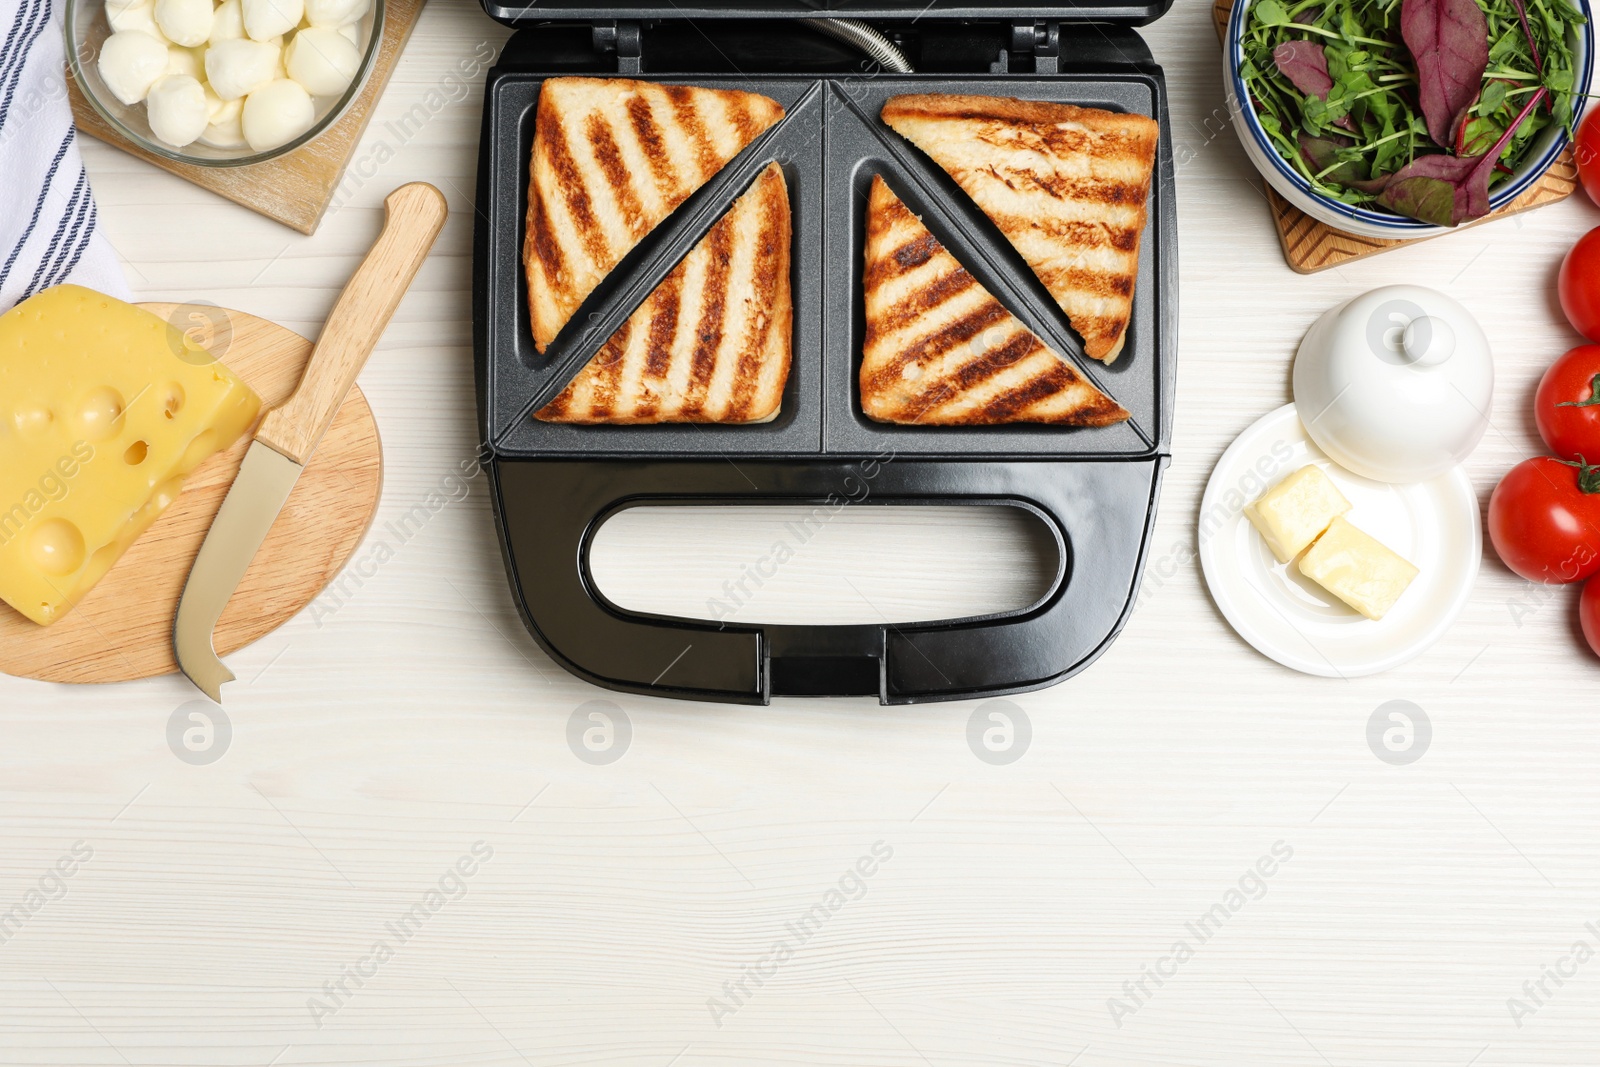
1068,186
709,333
612,158
609,158
712,342
942,351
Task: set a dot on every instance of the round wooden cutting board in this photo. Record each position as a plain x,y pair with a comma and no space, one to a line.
123,629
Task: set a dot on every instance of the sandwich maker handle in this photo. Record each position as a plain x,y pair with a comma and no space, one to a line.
548,512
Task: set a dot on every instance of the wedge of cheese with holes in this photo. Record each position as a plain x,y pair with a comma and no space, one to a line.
104,408
1358,568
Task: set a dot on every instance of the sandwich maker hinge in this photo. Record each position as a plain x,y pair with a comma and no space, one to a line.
1041,40
622,38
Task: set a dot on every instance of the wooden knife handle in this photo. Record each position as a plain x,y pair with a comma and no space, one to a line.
416,212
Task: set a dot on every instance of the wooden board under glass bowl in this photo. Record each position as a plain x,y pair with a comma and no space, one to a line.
294,189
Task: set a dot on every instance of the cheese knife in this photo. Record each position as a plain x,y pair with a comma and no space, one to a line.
289,433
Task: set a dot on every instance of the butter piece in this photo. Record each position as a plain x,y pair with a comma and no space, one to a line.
1292,513
104,408
1358,569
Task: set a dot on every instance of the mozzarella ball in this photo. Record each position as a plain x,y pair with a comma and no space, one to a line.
130,62
216,107
351,31
331,14
185,22
225,132
177,108
276,114
264,19
323,62
140,17
121,5
227,22
240,66
188,61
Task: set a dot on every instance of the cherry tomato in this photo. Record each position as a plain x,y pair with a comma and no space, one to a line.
1544,520
1567,405
1579,285
1589,613
1587,153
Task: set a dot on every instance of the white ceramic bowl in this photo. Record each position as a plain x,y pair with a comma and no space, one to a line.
1367,221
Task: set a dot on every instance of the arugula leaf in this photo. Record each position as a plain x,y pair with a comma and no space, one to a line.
1390,148
1385,109
1478,136
1493,98
1270,13
1505,46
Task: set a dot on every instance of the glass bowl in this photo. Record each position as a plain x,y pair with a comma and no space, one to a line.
86,30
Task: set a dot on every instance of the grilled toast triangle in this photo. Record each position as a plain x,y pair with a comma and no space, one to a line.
712,342
940,350
1068,186
612,158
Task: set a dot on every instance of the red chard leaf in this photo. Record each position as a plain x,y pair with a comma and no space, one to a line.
1449,190
1371,186
1449,39
1320,153
1527,31
1304,64
1440,189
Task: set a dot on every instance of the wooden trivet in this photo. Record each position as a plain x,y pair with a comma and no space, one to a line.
123,629
1310,246
294,189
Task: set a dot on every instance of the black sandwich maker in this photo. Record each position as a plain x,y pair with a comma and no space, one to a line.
554,485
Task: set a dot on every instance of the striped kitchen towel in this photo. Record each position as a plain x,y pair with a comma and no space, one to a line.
49,228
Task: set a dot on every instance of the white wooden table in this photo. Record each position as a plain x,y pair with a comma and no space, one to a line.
231,913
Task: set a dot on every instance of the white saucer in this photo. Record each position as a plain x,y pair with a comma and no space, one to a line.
1290,618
